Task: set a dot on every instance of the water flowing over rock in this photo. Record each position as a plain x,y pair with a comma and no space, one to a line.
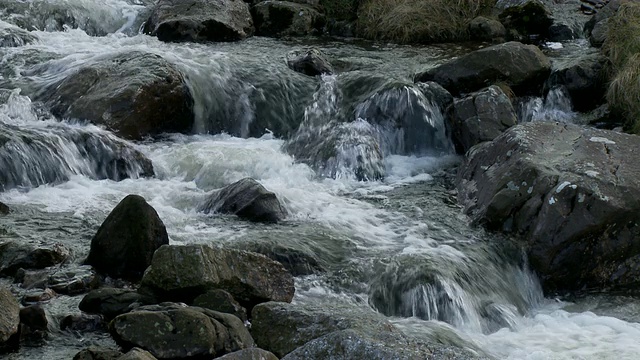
249,354
523,67
126,240
571,192
13,36
200,20
50,153
111,302
172,331
135,94
247,199
15,255
9,315
311,62
482,116
183,272
284,18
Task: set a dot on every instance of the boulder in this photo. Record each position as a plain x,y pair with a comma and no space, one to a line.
9,315
125,242
13,36
247,199
561,32
283,18
530,19
523,67
134,94
200,20
4,209
486,29
311,62
171,331
481,116
111,302
249,354
82,322
584,78
596,28
572,193
33,325
182,273
297,262
14,255
221,301
97,353
37,296
137,354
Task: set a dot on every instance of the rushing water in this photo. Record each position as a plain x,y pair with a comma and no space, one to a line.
398,243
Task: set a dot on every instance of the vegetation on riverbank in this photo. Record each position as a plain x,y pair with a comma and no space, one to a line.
623,49
418,21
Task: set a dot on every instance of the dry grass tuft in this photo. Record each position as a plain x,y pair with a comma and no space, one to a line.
623,35
418,21
624,93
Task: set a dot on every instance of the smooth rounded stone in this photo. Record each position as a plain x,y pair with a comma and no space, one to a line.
125,242
111,302
134,94
249,354
221,301
97,353
297,262
38,296
9,315
247,199
530,19
486,29
13,36
181,273
82,323
14,255
480,117
200,20
171,331
571,193
137,354
522,67
584,78
310,62
283,18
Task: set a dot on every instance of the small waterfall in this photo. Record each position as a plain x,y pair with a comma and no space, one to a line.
556,106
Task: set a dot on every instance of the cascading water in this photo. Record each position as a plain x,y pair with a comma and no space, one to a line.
398,244
556,106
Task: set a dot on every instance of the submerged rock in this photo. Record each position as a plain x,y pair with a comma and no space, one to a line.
171,331
125,242
14,255
523,67
135,94
284,18
247,199
181,273
9,315
82,322
111,302
573,194
200,20
311,62
481,116
68,280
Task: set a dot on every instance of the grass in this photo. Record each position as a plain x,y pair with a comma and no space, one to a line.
418,21
340,9
622,46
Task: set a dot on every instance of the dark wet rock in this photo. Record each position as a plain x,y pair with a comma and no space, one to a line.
438,95
247,199
200,20
596,28
530,19
97,353
310,62
297,262
561,32
487,29
249,354
171,331
480,117
523,67
182,273
14,255
82,323
284,18
125,242
38,296
135,94
33,325
13,36
9,315
111,302
584,78
4,209
73,281
137,354
572,193
221,301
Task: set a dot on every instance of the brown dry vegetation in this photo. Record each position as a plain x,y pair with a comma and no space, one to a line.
418,21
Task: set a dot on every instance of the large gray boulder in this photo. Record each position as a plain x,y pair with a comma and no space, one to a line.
200,20
9,315
111,302
135,94
126,240
181,273
523,67
572,193
481,116
247,199
222,301
172,331
283,18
